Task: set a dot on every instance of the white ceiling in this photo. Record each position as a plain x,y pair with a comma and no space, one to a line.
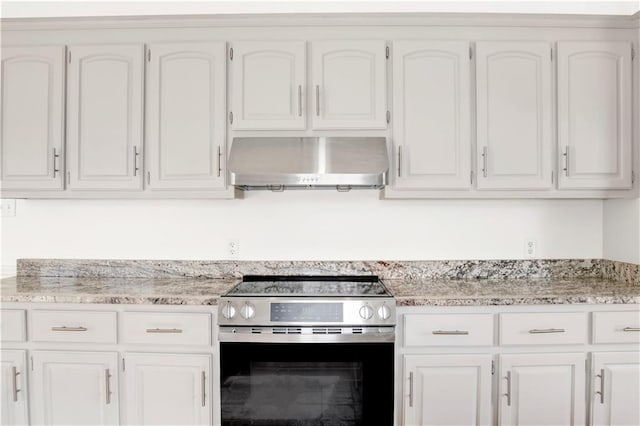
33,9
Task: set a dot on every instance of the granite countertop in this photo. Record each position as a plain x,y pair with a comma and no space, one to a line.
407,292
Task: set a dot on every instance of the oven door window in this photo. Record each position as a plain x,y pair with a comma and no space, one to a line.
306,384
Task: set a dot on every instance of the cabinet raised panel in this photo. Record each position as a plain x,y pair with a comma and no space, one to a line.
447,390
104,116
349,84
13,390
186,116
168,389
268,82
514,115
615,393
75,388
542,389
594,115
32,118
431,107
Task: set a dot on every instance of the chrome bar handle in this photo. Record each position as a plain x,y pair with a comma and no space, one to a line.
450,332
219,161
55,161
136,154
411,389
631,329
299,101
203,389
65,328
601,391
107,385
14,383
508,394
399,159
566,160
164,330
485,153
318,100
546,330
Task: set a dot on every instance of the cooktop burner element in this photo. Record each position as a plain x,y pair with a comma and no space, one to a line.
309,286
311,300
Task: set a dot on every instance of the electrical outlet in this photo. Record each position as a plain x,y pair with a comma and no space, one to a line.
8,208
530,248
233,249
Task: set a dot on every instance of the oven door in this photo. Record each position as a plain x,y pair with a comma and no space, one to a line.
306,383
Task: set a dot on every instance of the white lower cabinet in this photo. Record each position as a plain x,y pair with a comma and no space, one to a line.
447,390
615,388
14,388
542,389
75,388
167,389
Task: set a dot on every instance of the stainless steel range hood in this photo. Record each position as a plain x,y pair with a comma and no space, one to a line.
279,163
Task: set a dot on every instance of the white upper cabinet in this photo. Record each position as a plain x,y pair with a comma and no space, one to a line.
104,116
594,115
185,110
348,84
431,109
32,118
268,85
514,115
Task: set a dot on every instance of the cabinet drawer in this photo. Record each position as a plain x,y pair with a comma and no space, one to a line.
448,330
166,328
616,327
543,328
73,326
13,325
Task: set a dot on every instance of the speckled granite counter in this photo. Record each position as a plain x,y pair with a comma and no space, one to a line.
141,291
408,292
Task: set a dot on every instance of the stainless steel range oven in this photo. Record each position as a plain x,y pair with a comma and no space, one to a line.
307,350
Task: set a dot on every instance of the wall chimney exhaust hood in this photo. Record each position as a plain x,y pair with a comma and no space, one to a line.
279,163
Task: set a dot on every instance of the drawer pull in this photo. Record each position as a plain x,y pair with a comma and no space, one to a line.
631,329
164,330
546,330
65,328
14,383
450,332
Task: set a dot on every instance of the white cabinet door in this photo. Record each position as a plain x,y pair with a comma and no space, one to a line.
594,114
431,108
268,85
542,389
186,115
615,393
14,388
447,390
514,115
104,116
349,84
168,389
32,118
75,388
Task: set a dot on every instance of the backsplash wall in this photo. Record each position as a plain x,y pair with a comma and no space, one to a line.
302,225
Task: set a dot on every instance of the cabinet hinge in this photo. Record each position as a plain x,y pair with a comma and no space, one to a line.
231,117
388,116
493,368
231,53
148,55
386,52
470,52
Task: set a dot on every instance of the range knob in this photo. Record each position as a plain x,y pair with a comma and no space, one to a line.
384,312
247,311
228,311
366,312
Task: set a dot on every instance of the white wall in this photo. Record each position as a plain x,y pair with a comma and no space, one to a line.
302,225
622,230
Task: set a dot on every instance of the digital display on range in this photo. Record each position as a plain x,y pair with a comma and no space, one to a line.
306,312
